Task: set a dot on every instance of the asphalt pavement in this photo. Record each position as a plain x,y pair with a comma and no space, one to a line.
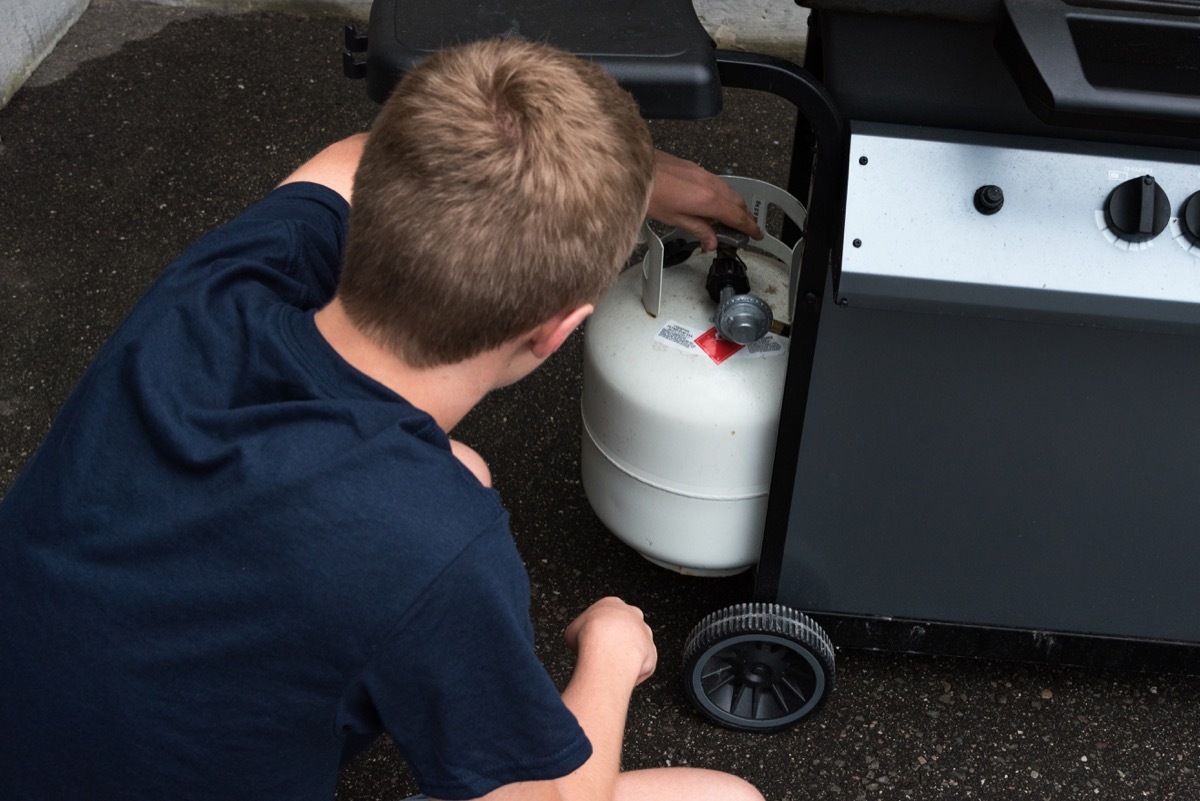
150,125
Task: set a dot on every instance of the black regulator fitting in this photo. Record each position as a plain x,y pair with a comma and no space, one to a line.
741,317
728,272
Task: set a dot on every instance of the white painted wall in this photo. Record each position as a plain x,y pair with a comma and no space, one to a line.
30,30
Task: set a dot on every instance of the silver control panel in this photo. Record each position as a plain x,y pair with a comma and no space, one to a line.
1022,228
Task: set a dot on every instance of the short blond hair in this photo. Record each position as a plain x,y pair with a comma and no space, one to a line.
502,183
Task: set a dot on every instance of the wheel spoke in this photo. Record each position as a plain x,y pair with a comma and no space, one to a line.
725,673
778,693
736,700
791,685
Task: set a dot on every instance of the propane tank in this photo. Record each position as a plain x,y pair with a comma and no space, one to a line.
683,372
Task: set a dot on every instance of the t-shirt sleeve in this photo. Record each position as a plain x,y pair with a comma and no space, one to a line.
459,688
297,232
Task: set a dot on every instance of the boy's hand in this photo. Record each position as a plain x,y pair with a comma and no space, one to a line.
616,632
689,197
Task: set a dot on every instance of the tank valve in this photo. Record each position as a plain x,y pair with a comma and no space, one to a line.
741,317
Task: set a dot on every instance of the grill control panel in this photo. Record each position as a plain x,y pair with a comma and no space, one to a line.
1021,227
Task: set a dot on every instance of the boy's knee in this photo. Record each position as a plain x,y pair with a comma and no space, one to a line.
738,789
747,792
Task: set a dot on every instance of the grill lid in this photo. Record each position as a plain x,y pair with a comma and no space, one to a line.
1128,66
1112,64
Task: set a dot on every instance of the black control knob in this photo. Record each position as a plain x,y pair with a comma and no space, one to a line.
1137,210
1189,218
989,199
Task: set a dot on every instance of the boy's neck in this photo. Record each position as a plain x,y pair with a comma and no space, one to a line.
445,392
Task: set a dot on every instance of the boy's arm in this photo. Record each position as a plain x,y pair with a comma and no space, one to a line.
689,197
684,195
616,652
472,461
333,167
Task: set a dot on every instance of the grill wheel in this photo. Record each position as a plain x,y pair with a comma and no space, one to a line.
757,667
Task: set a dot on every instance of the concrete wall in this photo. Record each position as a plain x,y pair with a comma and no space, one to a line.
29,29
775,27
26,36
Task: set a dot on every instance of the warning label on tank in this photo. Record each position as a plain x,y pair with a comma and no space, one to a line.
706,341
677,336
770,345
718,349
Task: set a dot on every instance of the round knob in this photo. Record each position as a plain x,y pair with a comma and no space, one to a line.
989,199
1137,210
1189,218
743,318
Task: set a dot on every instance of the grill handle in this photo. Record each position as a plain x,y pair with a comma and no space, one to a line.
1116,67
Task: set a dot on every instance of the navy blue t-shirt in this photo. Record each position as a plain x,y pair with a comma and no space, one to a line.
233,551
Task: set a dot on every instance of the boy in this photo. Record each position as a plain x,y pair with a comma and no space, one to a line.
248,540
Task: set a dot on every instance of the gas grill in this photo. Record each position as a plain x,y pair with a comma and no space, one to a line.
998,448
989,438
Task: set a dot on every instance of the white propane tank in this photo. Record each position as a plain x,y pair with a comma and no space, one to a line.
679,425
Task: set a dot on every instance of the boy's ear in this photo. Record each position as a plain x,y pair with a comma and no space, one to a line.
550,335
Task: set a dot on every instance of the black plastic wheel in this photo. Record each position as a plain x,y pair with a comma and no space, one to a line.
757,667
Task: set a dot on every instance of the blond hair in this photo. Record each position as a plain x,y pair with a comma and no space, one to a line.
502,183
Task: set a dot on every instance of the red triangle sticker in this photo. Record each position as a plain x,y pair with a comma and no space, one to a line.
718,349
